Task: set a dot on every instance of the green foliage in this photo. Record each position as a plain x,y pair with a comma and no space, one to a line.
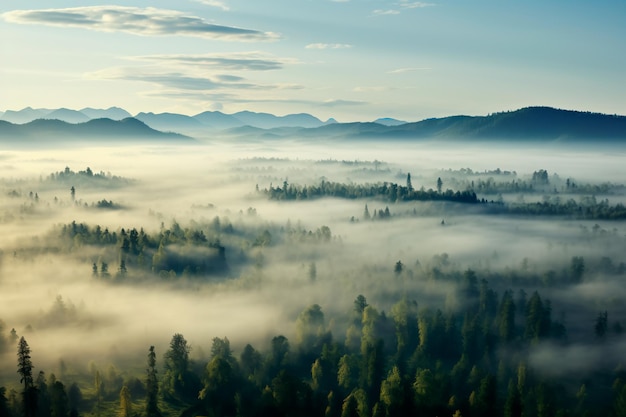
392,393
310,327
152,386
181,251
24,364
467,192
350,407
25,370
391,192
178,384
538,319
476,357
87,178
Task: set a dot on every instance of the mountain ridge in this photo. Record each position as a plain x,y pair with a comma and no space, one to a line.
528,123
537,123
46,131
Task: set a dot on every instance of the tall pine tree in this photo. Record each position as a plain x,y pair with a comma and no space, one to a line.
152,386
25,369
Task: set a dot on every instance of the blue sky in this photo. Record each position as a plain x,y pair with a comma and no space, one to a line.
352,59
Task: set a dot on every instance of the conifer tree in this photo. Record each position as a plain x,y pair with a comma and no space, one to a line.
58,399
152,386
25,369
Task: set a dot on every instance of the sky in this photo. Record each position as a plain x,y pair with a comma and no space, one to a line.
353,60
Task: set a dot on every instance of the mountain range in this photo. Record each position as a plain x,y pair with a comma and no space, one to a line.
530,123
208,120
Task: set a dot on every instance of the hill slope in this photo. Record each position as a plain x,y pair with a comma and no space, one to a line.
56,131
527,124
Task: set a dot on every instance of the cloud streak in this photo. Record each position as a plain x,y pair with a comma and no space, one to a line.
214,3
405,4
411,69
380,12
184,82
148,21
233,98
402,5
200,77
241,61
328,46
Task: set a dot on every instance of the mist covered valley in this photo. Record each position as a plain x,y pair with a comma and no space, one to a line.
308,279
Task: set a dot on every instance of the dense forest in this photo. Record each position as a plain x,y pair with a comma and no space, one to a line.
450,292
475,357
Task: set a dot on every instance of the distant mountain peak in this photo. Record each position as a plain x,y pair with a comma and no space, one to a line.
388,121
67,115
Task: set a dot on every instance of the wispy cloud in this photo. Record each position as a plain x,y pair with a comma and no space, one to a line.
148,21
234,98
328,46
214,3
184,82
237,61
402,5
164,79
201,77
380,12
410,69
414,4
340,103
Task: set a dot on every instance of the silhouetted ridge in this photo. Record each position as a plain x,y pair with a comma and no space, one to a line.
530,123
53,130
527,124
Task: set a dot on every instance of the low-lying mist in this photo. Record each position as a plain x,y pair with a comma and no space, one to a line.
280,256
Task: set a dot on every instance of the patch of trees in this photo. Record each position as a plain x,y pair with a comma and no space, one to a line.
385,191
540,182
488,186
87,178
172,252
299,234
587,208
471,172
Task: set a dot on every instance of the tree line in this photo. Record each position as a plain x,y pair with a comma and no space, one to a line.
588,207
386,191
